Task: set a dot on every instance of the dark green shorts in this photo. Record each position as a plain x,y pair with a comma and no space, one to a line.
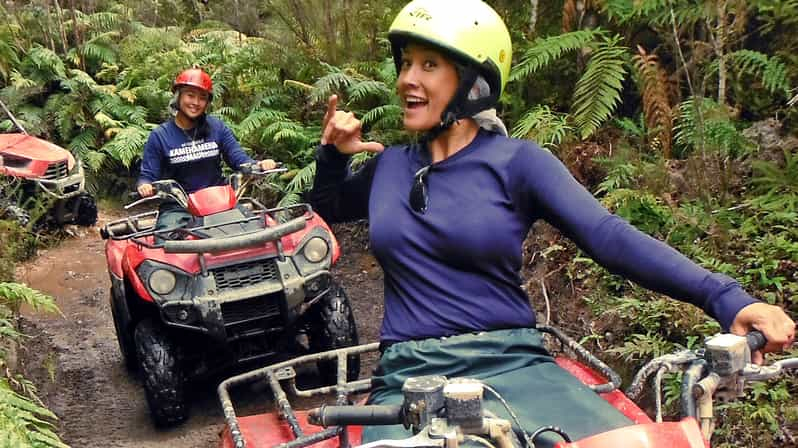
515,364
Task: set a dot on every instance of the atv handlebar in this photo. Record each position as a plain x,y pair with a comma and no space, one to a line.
357,415
254,169
210,245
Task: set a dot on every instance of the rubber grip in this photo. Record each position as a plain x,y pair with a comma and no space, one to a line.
356,415
756,340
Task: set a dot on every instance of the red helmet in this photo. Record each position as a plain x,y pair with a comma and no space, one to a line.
194,77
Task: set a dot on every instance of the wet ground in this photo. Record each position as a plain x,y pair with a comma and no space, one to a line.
74,358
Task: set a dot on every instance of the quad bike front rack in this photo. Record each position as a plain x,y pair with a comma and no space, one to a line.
284,373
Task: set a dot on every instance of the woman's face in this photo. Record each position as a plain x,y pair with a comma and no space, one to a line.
193,101
427,83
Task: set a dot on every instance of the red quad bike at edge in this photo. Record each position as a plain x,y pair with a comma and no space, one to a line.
445,412
37,168
236,285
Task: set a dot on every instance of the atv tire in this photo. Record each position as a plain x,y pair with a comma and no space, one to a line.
16,214
86,210
162,374
332,326
124,337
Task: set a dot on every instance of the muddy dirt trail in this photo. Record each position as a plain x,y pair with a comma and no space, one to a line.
74,358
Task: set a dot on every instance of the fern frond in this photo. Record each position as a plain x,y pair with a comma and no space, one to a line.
769,69
368,88
544,51
127,145
257,120
303,180
543,126
656,105
386,116
25,423
14,295
336,80
598,91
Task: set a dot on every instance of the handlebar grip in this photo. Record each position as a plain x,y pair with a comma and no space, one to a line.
756,340
356,415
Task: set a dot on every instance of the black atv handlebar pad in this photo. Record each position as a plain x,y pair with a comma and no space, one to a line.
210,245
356,415
756,340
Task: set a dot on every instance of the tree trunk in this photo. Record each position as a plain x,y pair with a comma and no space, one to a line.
60,15
533,16
329,22
78,41
720,51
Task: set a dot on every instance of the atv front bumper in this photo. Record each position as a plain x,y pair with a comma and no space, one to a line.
65,187
243,300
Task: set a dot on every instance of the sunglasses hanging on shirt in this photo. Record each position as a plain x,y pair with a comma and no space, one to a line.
419,198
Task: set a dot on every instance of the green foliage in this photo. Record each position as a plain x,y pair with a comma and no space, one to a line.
540,124
769,69
544,51
777,186
598,91
710,128
25,423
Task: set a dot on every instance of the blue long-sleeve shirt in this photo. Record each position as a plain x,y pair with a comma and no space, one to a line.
456,267
192,160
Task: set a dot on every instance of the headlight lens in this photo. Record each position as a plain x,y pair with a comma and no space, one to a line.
162,282
316,249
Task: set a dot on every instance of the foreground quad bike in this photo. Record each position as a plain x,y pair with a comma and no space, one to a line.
444,412
34,168
235,284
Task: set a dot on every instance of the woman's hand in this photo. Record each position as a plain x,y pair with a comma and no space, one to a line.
342,129
145,190
772,321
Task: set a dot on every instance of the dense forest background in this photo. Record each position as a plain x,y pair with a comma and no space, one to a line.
677,114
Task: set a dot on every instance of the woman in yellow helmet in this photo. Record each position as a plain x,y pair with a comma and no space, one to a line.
448,216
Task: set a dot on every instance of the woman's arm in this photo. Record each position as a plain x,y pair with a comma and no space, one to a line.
338,194
626,251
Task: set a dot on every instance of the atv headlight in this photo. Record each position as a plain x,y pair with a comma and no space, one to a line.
315,250
162,281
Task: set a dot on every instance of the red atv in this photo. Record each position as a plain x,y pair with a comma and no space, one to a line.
237,284
444,412
34,168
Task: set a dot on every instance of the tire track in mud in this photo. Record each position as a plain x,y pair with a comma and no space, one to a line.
75,362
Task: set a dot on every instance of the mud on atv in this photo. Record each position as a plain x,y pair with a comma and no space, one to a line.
34,169
238,284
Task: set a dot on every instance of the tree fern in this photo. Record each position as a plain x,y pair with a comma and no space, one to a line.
14,295
544,51
716,131
42,65
543,126
598,91
777,186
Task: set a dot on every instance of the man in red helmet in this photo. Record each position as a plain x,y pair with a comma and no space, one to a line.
190,147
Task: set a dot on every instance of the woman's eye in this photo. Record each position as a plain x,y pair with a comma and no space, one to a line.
429,65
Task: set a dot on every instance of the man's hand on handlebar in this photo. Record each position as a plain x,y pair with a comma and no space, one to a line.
267,164
772,321
145,190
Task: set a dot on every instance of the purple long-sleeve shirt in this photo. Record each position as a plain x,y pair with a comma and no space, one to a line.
456,267
191,159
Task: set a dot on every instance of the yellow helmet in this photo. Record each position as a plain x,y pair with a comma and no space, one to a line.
470,31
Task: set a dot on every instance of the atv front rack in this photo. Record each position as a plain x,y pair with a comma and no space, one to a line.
129,229
285,372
